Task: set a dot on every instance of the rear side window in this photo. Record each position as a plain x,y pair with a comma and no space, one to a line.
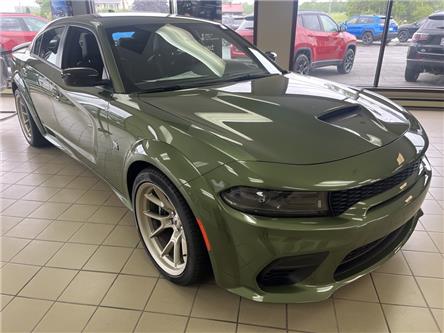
365,20
328,24
10,24
311,22
436,22
50,43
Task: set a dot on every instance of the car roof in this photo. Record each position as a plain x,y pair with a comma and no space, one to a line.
437,15
311,12
121,19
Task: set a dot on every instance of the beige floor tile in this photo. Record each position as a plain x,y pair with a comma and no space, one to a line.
22,314
113,200
262,314
140,264
112,320
312,317
4,300
13,277
161,323
360,317
73,169
420,241
426,264
92,233
72,256
41,193
67,195
82,183
108,259
431,207
170,298
13,177
395,265
48,283
5,204
16,191
196,325
127,219
359,290
49,210
8,222
11,246
433,290
109,215
64,317
79,213
49,169
33,179
129,292
28,228
409,319
226,307
94,197
37,252
438,239
100,186
398,289
22,208
123,236
438,314
242,328
437,193
433,223
87,288
58,181
59,231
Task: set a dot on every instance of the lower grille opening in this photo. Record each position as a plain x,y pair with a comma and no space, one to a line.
369,254
290,270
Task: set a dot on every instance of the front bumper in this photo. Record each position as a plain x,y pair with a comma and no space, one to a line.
243,245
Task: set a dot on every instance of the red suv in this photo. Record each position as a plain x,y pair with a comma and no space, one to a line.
16,29
320,42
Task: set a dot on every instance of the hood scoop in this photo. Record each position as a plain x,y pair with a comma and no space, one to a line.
340,115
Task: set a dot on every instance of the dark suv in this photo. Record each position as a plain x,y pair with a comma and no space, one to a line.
426,51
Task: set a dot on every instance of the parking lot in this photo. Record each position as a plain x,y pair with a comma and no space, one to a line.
392,73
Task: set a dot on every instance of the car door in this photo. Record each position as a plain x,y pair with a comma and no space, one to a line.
81,112
332,41
316,35
42,70
353,27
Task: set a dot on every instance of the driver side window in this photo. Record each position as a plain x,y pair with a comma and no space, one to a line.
48,45
328,24
82,51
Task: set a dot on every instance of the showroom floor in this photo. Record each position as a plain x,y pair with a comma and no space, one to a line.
71,261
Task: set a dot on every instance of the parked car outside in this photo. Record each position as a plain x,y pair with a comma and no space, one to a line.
370,28
426,50
17,28
286,187
406,31
319,42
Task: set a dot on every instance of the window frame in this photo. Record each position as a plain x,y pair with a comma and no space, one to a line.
59,54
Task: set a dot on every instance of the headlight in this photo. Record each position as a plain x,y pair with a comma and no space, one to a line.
276,203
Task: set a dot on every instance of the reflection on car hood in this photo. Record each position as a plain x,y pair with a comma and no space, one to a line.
285,118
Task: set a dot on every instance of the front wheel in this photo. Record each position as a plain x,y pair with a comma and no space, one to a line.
347,64
302,64
29,128
168,229
411,73
403,36
367,38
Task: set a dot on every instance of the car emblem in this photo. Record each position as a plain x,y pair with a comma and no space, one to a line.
115,145
400,159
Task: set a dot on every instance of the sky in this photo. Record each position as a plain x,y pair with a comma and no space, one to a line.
9,5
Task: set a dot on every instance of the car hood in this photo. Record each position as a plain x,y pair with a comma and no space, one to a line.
289,119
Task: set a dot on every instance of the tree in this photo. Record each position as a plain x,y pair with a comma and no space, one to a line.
45,8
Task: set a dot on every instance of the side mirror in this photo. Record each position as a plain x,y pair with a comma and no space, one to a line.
342,27
81,77
271,55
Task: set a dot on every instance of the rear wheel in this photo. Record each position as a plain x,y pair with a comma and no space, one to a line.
168,229
403,36
29,128
347,64
411,73
367,38
302,64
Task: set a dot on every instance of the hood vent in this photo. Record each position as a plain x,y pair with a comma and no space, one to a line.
339,115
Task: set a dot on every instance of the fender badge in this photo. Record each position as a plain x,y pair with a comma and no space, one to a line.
115,145
400,159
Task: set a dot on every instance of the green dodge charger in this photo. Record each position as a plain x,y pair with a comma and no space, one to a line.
284,187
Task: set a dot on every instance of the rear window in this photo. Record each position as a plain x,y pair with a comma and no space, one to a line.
436,22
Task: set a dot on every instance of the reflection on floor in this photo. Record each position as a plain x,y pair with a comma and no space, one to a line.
71,261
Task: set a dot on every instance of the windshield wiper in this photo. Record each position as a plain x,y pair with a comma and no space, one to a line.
167,88
248,77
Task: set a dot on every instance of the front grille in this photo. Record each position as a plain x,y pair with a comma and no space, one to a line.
340,201
369,254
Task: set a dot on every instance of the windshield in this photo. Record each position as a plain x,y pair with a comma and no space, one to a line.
179,55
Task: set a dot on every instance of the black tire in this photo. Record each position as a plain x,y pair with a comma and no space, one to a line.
411,73
367,38
403,36
198,266
347,64
30,131
302,64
